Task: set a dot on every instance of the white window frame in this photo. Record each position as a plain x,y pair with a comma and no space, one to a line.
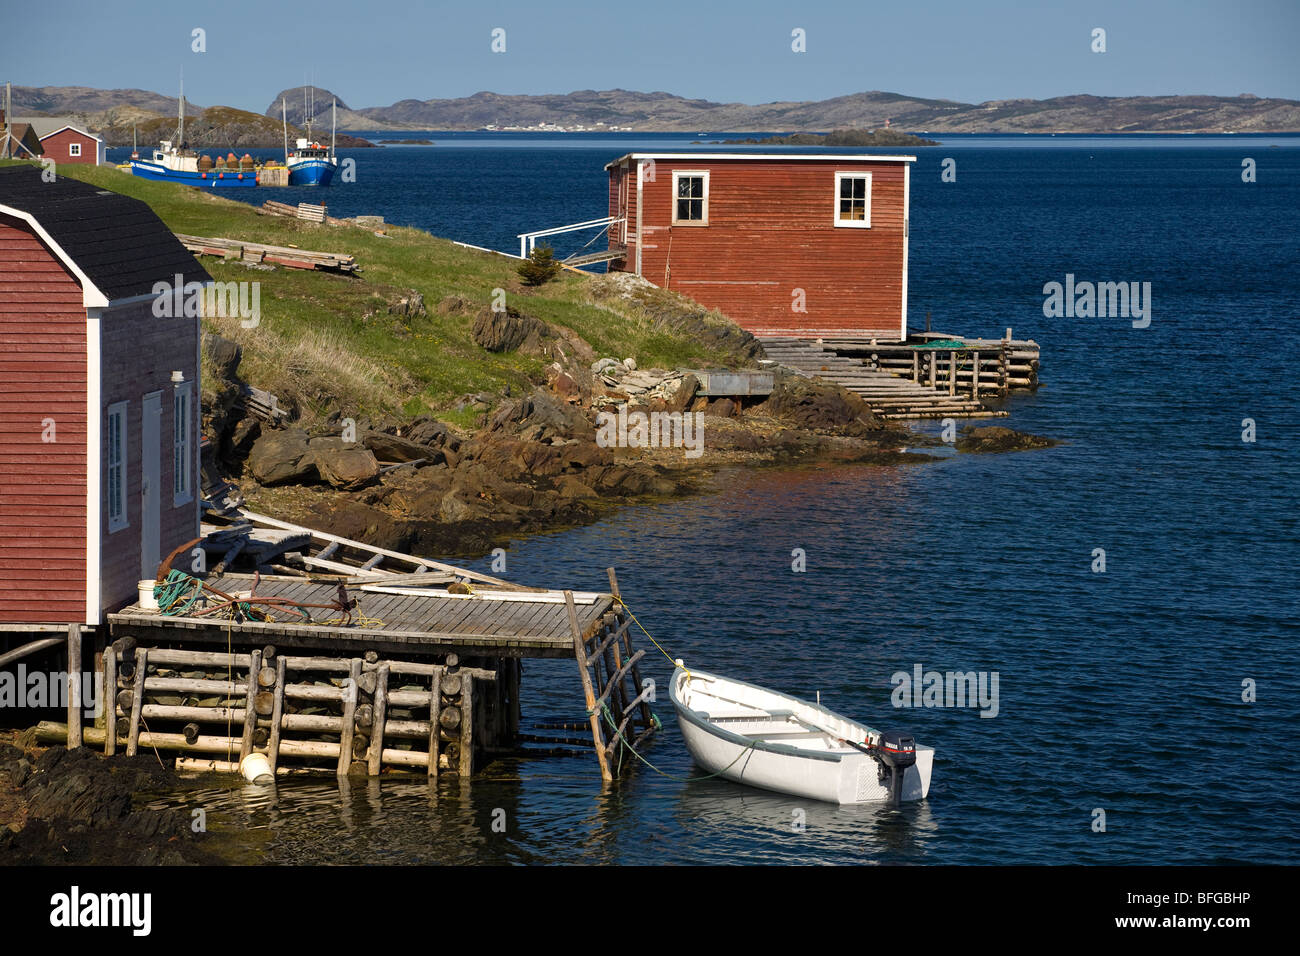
704,208
864,223
115,466
182,443
74,149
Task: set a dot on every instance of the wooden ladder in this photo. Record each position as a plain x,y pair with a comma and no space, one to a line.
618,703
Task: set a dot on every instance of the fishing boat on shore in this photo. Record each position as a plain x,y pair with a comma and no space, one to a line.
751,735
310,163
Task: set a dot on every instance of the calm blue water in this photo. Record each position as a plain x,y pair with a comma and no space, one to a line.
1119,691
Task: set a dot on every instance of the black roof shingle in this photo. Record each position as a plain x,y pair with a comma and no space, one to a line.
117,241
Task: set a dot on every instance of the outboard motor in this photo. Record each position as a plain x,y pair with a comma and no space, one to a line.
894,754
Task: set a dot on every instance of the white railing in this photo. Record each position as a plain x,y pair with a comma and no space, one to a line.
527,240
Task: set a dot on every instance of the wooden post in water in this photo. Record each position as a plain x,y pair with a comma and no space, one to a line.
435,706
466,726
250,701
74,686
597,739
975,378
376,751
277,714
349,719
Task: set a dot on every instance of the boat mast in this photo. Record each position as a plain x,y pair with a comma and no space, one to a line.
180,130
284,119
334,125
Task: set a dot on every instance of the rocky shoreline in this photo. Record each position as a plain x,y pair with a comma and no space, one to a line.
541,461
77,807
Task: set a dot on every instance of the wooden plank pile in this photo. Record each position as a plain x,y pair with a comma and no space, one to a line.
257,252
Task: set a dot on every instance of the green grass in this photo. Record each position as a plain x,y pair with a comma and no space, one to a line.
326,342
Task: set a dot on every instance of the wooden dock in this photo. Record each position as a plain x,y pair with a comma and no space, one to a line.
889,395
356,660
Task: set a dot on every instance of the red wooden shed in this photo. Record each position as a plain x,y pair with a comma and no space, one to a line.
69,144
785,244
99,452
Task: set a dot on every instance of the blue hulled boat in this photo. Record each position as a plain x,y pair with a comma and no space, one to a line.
175,164
310,163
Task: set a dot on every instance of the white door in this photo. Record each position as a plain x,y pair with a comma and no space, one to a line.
150,484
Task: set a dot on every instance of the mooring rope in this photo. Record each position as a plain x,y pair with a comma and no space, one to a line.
609,717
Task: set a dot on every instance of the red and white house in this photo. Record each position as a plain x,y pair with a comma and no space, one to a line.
69,144
99,417
784,244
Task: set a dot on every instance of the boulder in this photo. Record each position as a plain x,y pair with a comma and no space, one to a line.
344,465
281,457
681,399
816,404
508,330
388,447
995,438
223,354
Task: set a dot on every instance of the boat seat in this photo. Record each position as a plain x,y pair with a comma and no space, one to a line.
733,716
791,735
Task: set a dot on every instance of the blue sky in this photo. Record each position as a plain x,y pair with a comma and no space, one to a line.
373,53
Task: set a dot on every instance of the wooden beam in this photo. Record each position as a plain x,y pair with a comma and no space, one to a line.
597,738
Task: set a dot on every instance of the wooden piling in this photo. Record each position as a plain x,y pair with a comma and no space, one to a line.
250,704
109,694
435,718
467,728
137,701
277,715
376,752
74,686
349,719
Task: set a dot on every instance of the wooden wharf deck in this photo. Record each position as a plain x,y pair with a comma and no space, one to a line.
888,395
355,660
507,624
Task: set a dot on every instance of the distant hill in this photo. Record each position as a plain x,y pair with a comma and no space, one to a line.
668,112
840,137
664,111
121,115
296,110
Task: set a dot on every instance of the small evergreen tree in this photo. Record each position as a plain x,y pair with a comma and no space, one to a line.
539,267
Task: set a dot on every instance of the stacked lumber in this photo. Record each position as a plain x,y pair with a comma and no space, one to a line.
258,252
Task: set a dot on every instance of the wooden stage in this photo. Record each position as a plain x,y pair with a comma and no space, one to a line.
488,622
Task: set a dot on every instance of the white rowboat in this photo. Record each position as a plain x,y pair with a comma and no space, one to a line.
755,736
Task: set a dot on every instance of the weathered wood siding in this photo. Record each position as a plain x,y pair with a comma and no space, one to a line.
139,352
771,232
42,395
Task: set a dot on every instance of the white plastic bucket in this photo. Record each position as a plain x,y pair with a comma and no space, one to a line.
147,600
256,769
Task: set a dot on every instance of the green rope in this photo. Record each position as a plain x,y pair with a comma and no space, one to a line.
941,344
609,717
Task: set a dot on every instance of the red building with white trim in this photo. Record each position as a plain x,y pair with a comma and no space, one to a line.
784,244
72,145
99,416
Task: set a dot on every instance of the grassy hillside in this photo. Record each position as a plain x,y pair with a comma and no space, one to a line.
327,342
